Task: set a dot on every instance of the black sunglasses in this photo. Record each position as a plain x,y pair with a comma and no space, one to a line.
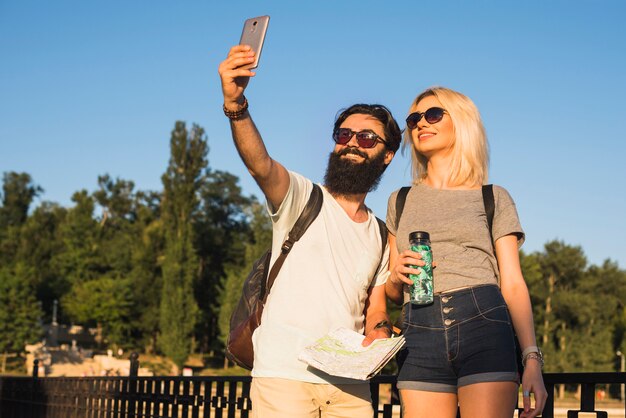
432,115
365,139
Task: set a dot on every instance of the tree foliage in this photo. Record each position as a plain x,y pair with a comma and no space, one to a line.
18,193
145,267
20,314
107,301
578,310
223,233
181,182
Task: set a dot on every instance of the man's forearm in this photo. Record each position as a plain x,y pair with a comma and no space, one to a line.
272,177
250,146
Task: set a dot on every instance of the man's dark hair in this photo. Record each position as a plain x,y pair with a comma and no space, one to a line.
393,134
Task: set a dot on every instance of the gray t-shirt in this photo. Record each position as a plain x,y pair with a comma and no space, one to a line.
459,233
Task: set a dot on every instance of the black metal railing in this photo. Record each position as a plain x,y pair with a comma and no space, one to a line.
209,396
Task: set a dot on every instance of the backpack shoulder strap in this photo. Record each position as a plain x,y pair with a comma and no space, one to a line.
308,215
400,201
306,218
382,228
490,208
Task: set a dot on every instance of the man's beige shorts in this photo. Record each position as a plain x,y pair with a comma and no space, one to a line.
282,398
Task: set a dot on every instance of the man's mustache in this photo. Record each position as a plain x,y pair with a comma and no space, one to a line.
354,151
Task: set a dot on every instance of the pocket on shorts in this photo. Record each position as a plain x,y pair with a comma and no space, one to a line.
498,314
491,305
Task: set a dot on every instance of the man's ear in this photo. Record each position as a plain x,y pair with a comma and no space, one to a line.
389,156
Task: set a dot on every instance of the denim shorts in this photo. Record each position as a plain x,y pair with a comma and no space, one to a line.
463,337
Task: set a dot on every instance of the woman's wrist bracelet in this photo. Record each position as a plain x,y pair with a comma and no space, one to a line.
530,349
535,354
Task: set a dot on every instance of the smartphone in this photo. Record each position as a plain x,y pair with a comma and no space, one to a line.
253,34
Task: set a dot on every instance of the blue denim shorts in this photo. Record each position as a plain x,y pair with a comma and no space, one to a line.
463,337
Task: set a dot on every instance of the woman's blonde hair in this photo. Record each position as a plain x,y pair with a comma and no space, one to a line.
470,150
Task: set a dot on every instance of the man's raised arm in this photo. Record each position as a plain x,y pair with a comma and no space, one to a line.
270,175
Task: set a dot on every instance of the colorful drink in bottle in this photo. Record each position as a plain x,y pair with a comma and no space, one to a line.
421,292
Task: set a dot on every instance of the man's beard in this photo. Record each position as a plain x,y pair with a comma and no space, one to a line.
346,177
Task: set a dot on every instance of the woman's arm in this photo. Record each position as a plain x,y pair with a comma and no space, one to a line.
515,293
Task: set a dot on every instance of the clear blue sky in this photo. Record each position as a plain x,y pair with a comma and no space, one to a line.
88,88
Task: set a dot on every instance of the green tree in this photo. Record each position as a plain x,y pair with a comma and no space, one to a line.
29,239
605,285
222,231
38,244
99,259
181,182
79,260
18,192
116,198
20,313
578,310
117,232
562,267
107,301
146,275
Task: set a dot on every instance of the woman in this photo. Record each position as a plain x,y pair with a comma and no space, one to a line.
460,350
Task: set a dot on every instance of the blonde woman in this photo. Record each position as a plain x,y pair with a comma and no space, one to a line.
460,349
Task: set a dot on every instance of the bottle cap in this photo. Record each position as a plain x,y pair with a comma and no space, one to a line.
419,235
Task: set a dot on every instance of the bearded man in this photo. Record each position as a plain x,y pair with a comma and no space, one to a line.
334,276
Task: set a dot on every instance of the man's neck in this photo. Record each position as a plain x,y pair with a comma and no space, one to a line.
353,205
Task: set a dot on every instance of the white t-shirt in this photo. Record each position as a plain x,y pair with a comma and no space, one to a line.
322,285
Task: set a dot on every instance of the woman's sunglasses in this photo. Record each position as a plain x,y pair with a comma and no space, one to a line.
365,139
432,115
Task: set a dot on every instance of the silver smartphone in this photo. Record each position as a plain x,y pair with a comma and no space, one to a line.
253,34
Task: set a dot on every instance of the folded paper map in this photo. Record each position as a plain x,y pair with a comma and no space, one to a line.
340,353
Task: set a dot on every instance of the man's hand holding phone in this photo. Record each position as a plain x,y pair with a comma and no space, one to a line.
235,76
235,71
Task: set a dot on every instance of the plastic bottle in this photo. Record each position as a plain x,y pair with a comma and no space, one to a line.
421,292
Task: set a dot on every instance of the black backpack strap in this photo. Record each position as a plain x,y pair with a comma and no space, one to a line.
308,215
306,218
490,208
382,228
400,201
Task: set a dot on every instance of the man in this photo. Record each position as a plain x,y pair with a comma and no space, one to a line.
334,275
